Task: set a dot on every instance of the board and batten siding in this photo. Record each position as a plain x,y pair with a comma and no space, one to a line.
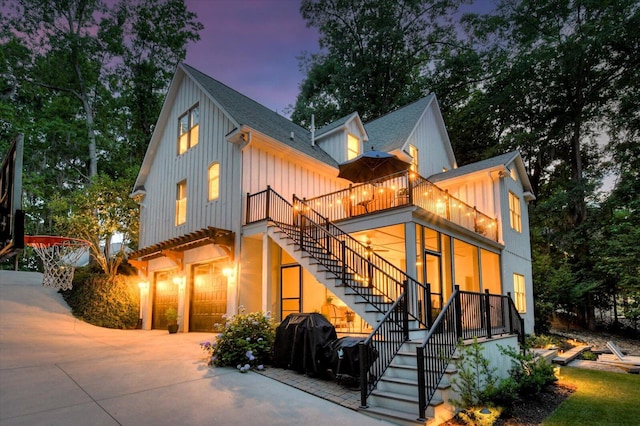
286,175
169,168
476,191
430,141
335,144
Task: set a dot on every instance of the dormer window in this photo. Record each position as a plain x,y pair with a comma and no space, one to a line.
188,129
353,146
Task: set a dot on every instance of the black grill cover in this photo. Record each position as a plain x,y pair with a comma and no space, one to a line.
345,356
303,343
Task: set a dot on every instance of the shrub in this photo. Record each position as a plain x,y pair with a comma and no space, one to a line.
530,373
475,379
98,300
246,342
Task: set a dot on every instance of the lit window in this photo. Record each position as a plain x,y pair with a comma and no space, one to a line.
188,129
518,292
353,147
214,181
514,212
413,152
181,203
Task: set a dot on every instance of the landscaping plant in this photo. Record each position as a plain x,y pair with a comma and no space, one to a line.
245,342
104,301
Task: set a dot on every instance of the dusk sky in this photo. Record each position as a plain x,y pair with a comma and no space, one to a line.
251,46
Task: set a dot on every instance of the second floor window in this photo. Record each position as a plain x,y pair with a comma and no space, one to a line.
188,129
413,152
353,147
214,181
181,203
519,293
514,212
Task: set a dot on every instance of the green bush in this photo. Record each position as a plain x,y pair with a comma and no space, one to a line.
245,342
531,374
475,379
103,302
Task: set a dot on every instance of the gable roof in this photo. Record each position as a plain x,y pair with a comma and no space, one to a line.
498,162
341,124
247,112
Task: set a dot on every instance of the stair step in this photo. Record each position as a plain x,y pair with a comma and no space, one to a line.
394,416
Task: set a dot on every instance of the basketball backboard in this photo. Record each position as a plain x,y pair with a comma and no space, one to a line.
11,213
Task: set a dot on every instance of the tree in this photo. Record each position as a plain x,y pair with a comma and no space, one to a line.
374,57
97,214
558,75
91,74
67,55
153,39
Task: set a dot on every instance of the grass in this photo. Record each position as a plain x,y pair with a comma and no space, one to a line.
601,398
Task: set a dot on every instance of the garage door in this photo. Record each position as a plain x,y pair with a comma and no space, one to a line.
208,297
165,296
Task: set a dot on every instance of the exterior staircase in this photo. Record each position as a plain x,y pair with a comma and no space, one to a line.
409,378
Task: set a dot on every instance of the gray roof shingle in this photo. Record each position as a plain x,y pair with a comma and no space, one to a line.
489,163
392,130
246,111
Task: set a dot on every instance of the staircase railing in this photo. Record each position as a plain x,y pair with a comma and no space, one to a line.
377,281
466,315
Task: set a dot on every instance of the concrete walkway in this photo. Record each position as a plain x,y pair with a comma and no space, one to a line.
57,370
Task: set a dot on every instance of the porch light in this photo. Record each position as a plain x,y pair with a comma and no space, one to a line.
180,281
229,271
143,285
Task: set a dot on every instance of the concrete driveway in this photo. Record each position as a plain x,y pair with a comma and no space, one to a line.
57,370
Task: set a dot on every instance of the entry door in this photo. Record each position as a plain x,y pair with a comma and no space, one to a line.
433,273
290,290
208,297
165,296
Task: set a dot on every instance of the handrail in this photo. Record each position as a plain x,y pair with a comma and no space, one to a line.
348,260
379,264
403,189
394,324
466,315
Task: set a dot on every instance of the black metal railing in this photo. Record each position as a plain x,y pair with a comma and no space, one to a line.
386,340
380,283
466,315
402,189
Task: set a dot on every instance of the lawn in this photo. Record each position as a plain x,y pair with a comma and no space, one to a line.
601,398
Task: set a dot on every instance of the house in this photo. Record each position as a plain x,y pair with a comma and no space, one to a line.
240,206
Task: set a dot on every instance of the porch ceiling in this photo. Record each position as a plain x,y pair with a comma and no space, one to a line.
209,235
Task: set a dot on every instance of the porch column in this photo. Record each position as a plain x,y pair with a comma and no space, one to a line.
410,268
266,273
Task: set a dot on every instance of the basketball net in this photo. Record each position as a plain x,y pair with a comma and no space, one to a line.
59,257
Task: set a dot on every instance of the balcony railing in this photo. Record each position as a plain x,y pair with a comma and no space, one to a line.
402,189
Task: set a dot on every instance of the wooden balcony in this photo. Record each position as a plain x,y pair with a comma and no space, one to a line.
398,190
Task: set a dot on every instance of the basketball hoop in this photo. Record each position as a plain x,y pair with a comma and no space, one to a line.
59,256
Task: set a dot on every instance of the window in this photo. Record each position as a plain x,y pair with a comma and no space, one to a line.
514,212
518,292
181,203
188,129
413,152
214,181
353,147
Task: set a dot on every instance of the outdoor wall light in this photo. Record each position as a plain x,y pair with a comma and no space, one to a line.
143,285
229,271
180,281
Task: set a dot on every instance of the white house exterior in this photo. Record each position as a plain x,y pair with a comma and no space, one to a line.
205,248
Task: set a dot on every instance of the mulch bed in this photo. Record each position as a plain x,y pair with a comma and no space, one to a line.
533,411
